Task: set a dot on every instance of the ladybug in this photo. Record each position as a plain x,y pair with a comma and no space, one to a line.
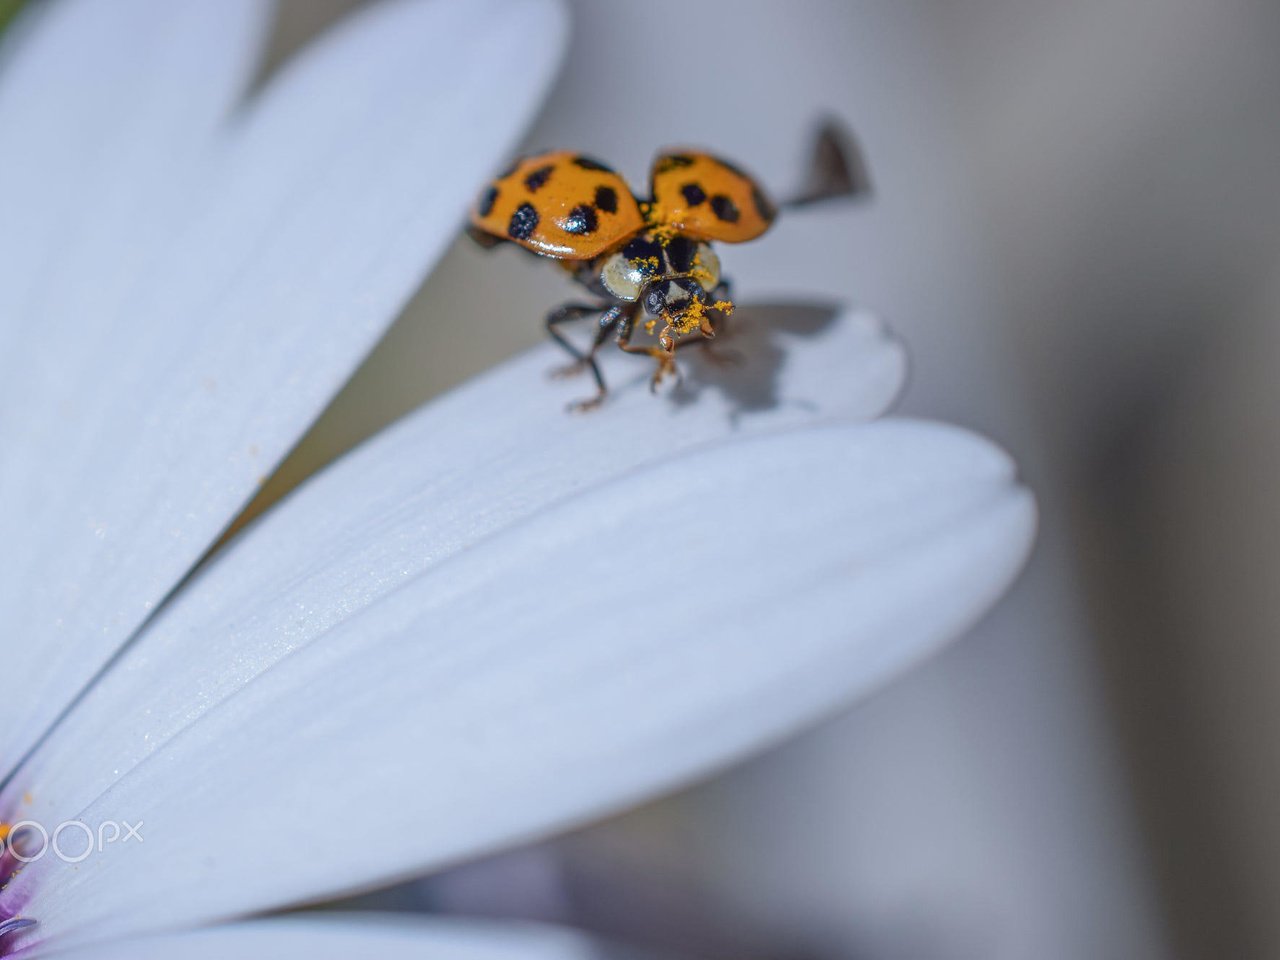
648,260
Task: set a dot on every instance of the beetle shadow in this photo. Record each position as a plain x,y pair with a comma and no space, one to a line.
744,363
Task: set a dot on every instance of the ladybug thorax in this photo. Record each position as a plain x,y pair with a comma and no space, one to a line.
652,258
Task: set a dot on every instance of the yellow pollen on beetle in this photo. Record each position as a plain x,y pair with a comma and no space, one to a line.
691,319
694,317
656,224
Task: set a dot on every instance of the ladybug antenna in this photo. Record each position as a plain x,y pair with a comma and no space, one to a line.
837,167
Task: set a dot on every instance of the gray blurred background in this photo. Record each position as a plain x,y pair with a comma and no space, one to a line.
1075,226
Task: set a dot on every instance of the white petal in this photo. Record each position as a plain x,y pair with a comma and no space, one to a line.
328,201
348,936
619,643
105,106
451,475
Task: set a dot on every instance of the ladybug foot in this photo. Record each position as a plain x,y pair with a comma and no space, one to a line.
666,367
568,370
586,406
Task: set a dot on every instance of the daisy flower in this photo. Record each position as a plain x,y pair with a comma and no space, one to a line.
488,623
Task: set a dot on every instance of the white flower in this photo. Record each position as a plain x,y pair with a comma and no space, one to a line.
490,622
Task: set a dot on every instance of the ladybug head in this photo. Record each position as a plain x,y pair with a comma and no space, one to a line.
681,303
672,297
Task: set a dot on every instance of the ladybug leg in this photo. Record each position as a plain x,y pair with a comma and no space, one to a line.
566,313
664,353
482,238
608,322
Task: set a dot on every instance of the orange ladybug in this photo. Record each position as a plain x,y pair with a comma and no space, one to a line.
642,257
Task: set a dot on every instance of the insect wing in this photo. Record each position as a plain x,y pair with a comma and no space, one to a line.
706,198
561,205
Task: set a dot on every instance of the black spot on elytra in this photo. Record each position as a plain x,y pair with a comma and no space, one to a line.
725,208
764,207
581,220
680,251
487,200
673,161
693,194
607,199
644,254
540,176
523,222
589,163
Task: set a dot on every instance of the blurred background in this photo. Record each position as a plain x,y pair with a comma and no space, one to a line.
1074,225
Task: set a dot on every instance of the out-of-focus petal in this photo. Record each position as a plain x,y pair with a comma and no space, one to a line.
348,936
108,110
621,642
167,405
